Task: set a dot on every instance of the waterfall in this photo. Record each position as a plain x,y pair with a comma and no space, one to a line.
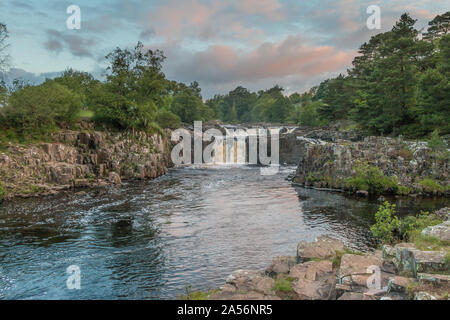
231,148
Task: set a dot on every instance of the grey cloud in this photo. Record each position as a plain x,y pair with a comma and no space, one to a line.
77,45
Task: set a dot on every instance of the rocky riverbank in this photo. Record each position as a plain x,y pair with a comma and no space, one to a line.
327,270
374,165
80,159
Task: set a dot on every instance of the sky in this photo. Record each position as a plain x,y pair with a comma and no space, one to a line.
219,43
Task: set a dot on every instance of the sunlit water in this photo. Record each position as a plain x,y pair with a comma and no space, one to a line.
149,240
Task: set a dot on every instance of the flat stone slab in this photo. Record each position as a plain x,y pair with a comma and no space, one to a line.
246,281
325,247
356,269
311,270
434,278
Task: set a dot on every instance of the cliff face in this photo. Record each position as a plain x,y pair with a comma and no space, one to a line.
84,158
329,165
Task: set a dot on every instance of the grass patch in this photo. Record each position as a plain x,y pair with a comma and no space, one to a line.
283,284
86,114
370,178
196,294
2,193
411,289
428,243
431,186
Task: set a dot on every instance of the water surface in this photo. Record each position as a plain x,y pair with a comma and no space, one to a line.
148,240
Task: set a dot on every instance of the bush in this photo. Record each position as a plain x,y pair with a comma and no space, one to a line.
387,224
436,143
283,285
431,186
41,107
412,226
371,179
120,112
389,229
167,119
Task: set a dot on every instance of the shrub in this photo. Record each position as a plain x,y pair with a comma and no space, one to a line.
118,111
387,224
431,186
44,106
412,226
389,229
436,143
371,179
167,119
404,191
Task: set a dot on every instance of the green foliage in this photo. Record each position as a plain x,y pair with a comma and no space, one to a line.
431,186
283,285
40,107
404,191
412,226
398,83
196,294
2,193
387,224
389,229
167,119
309,114
82,83
189,107
371,179
436,143
429,243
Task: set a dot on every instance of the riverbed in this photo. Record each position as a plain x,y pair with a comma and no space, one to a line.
192,227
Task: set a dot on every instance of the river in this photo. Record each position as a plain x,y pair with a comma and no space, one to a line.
194,226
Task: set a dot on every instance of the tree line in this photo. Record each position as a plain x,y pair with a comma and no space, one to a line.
398,84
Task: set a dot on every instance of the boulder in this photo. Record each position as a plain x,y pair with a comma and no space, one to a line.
114,178
325,247
321,289
412,260
355,270
441,231
424,296
246,281
280,265
400,284
315,280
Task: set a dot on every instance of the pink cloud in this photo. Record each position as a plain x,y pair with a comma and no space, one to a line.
287,58
272,9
